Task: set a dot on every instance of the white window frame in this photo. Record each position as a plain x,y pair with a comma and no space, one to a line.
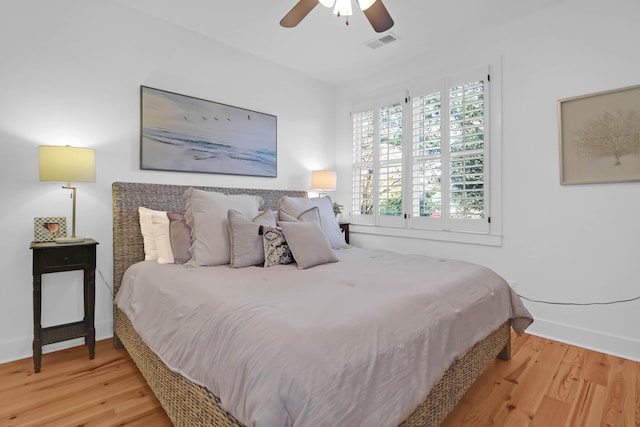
485,232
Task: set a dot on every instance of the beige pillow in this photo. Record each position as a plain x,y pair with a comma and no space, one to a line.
308,244
246,242
206,215
180,235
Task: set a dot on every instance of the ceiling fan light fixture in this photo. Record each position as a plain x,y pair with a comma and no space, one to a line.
343,8
374,10
365,4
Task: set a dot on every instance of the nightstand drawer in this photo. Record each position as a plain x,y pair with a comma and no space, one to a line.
66,257
62,259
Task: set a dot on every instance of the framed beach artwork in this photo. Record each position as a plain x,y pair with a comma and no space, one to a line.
186,134
599,137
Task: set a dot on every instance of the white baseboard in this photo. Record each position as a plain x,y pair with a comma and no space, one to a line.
22,348
614,345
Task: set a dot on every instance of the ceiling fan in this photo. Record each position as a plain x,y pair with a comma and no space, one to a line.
374,10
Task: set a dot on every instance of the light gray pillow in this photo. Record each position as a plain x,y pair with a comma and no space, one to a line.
312,214
309,246
206,215
276,250
294,206
246,242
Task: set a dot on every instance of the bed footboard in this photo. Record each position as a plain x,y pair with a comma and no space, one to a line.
188,404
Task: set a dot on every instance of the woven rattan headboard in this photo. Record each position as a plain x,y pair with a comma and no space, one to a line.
128,197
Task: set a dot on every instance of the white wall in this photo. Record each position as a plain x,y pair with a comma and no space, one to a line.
70,74
561,243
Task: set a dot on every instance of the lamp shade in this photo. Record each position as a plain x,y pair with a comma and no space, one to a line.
323,180
67,164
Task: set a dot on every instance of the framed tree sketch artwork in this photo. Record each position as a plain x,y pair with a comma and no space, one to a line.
186,134
600,137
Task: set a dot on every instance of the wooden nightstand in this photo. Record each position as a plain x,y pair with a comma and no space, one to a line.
51,257
344,226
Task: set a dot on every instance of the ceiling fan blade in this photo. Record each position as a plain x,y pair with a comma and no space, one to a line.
298,12
378,16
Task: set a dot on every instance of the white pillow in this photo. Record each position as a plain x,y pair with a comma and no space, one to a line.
295,206
206,214
146,227
162,238
156,240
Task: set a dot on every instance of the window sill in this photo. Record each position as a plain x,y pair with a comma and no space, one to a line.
437,235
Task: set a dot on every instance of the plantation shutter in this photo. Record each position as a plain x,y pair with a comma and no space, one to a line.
468,152
363,168
427,192
390,162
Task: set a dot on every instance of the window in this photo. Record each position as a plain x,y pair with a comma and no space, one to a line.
422,161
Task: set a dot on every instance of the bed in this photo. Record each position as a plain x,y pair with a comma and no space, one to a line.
186,401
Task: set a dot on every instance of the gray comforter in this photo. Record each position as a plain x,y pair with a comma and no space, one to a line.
359,342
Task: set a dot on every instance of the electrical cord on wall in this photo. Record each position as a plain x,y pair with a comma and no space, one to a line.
580,303
521,296
105,283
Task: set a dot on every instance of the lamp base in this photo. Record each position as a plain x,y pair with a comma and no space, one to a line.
69,240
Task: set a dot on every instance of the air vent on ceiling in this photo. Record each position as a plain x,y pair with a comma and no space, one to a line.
381,41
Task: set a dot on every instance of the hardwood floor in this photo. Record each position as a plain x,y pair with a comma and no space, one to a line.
546,383
71,390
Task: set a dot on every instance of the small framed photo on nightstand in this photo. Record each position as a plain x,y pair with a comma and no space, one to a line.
49,228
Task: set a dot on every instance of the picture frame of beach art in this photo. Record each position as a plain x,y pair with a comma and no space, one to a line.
186,134
49,228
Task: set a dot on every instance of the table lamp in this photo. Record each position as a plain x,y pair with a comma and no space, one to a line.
323,181
68,164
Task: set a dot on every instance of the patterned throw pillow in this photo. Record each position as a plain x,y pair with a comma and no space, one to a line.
276,250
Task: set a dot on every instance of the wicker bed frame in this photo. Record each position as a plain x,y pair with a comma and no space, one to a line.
188,404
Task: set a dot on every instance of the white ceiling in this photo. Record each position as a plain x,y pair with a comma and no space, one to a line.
322,45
